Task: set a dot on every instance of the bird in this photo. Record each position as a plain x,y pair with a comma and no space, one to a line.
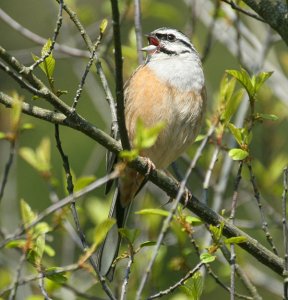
169,87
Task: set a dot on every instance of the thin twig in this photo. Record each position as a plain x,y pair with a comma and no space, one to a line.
263,219
285,231
42,288
53,41
33,277
7,168
232,219
177,284
39,39
119,76
87,69
245,12
18,273
167,221
211,28
138,30
56,206
128,271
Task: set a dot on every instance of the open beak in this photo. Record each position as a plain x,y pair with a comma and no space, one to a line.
153,44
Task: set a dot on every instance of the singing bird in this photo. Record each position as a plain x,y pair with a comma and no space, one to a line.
169,87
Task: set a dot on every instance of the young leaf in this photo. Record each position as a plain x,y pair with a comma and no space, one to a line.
59,277
207,258
217,231
235,240
238,154
16,244
231,106
103,25
270,117
244,78
27,214
82,182
39,249
259,79
129,234
236,133
2,135
16,111
129,155
147,244
153,211
146,136
193,220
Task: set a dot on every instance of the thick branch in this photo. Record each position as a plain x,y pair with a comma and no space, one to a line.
169,185
274,12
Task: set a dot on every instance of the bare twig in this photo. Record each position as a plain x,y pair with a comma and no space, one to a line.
42,288
177,284
87,69
7,168
245,12
56,33
128,271
263,219
232,218
119,76
166,224
138,30
209,37
38,39
18,273
285,230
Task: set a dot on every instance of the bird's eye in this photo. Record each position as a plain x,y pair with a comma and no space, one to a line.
171,37
159,35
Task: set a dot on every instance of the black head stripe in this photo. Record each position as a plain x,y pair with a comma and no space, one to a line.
166,51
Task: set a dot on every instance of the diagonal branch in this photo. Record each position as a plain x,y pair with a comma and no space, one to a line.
166,183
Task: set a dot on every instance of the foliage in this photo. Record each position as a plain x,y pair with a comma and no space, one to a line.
242,159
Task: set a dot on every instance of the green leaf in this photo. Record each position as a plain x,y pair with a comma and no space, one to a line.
146,137
193,220
16,111
2,135
129,234
193,287
102,230
148,244
129,154
27,214
29,156
27,126
43,155
49,251
231,106
41,228
153,211
103,25
200,137
244,78
217,231
235,240
259,79
270,117
39,249
236,132
16,244
207,258
56,277
48,65
82,182
238,154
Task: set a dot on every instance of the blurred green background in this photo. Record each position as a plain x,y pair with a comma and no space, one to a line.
269,146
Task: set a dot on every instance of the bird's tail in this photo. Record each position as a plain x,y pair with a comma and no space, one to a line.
110,247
